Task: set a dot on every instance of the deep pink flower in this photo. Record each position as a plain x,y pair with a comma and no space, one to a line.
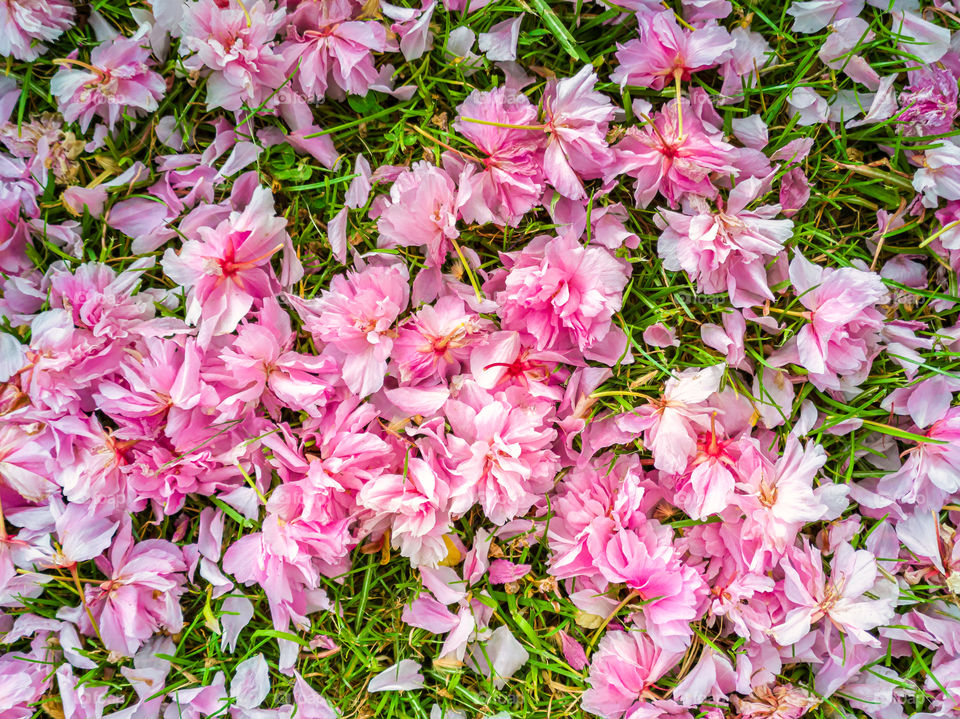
727,250
355,318
227,268
334,51
666,52
929,102
672,161
235,42
648,565
510,181
117,80
576,119
29,24
436,342
564,295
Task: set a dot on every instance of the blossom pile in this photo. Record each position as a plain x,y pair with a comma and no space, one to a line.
578,355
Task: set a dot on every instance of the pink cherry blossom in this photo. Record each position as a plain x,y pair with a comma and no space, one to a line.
665,51
727,250
577,118
509,180
565,296
30,24
233,44
333,52
141,595
673,161
355,319
227,268
117,79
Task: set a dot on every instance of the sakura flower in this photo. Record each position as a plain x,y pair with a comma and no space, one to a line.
671,423
260,367
227,268
648,565
437,341
576,118
510,181
28,25
839,599
623,670
929,102
778,500
778,701
931,471
500,454
939,174
141,596
565,295
412,506
673,160
118,78
422,211
333,52
814,15
665,52
355,317
841,338
234,43
727,250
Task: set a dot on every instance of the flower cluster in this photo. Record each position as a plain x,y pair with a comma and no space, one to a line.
454,372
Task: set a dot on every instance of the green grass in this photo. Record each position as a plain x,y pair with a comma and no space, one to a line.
852,178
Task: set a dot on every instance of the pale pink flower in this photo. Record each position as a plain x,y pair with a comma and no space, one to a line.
500,454
576,119
727,250
141,596
28,25
666,52
777,701
355,318
674,162
412,506
227,268
623,670
838,344
118,79
23,464
814,15
564,295
778,497
939,174
840,599
935,463
671,424
334,51
510,182
234,42
421,210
